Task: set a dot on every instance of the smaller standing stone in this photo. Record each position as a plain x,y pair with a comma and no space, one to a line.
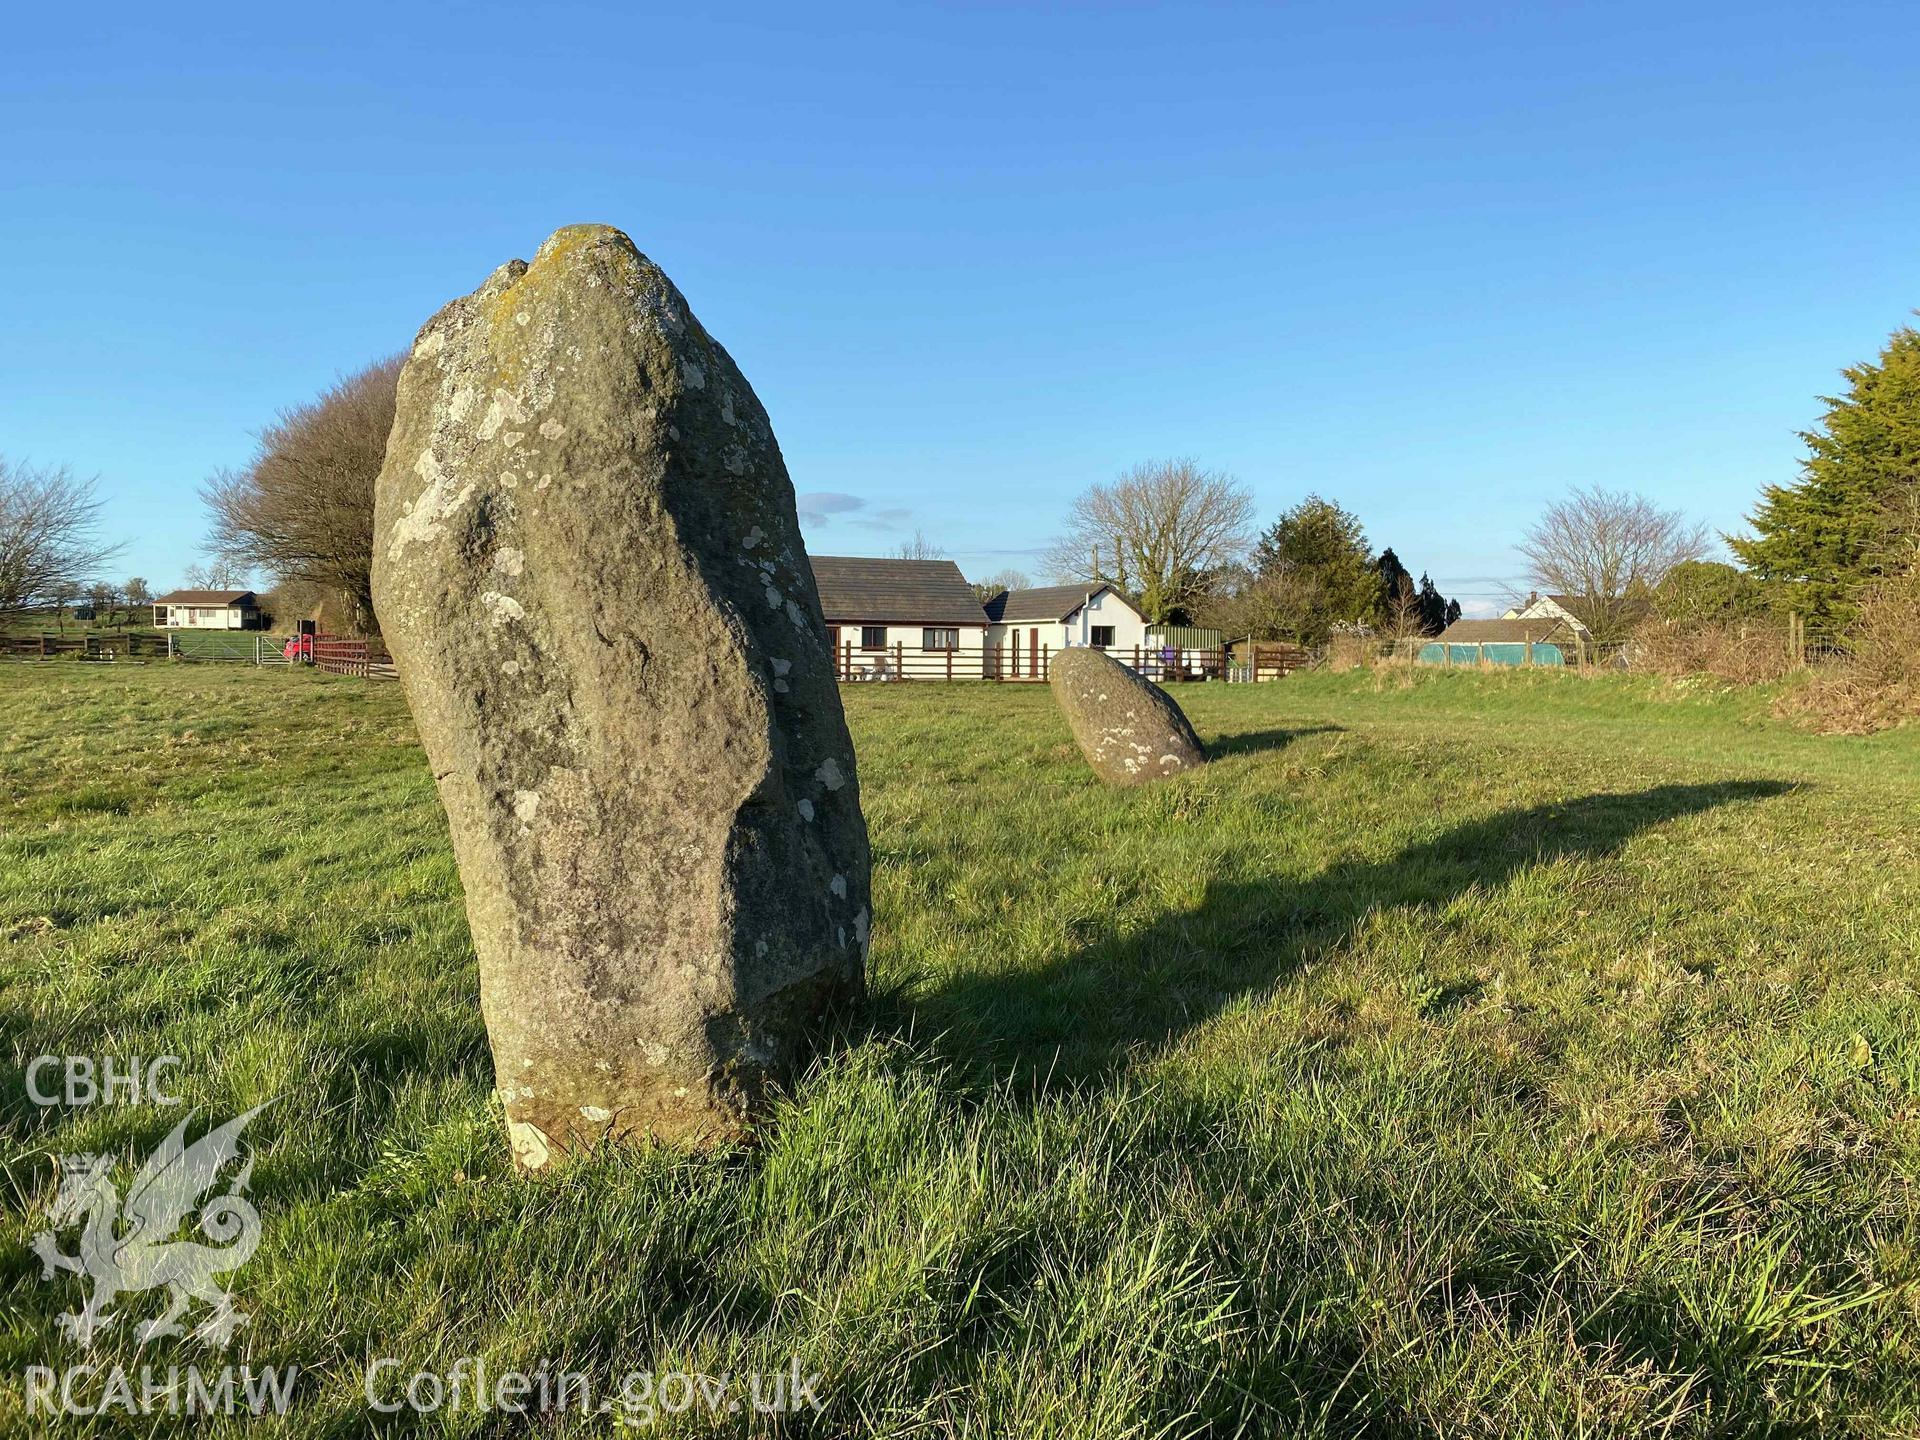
1130,730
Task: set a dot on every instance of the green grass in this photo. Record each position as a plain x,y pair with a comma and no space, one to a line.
1459,1054
47,623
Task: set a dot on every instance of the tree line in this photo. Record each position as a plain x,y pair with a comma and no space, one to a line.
1179,539
1833,541
1838,548
1831,558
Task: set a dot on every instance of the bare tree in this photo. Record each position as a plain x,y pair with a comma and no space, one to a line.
137,593
1157,532
1008,579
302,508
1403,619
1607,550
217,572
49,545
1284,604
918,548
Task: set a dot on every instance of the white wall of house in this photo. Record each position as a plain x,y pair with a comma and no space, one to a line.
1015,642
1120,626
914,657
199,617
1105,611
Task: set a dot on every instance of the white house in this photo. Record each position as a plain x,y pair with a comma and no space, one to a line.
901,619
207,610
1564,609
1059,617
893,619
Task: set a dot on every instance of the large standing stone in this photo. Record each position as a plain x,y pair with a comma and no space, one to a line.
589,570
1129,729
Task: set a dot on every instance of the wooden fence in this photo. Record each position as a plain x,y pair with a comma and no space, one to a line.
1016,663
111,645
1270,659
342,655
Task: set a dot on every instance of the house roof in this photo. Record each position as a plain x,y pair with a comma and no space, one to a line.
204,597
860,589
1581,607
1045,602
1578,606
1500,632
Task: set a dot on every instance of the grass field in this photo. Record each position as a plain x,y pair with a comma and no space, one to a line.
1503,1055
46,623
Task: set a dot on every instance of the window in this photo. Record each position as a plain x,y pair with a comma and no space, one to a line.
873,637
940,639
1102,636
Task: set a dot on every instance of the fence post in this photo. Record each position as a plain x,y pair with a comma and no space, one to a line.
949,664
899,659
1529,651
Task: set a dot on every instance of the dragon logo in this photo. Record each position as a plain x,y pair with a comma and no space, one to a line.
132,1245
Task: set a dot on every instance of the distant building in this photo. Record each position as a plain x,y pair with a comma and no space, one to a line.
894,619
1576,611
1569,610
890,619
1060,617
207,610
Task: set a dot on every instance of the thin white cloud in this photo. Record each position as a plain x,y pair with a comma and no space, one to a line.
818,505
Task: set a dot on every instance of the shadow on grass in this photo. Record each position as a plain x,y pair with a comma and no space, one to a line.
1253,742
1077,1020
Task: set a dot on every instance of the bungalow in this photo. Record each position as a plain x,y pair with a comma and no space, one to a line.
207,610
1577,612
1058,617
1567,610
893,619
896,619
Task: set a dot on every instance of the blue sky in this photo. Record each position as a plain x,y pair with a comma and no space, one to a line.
1437,262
